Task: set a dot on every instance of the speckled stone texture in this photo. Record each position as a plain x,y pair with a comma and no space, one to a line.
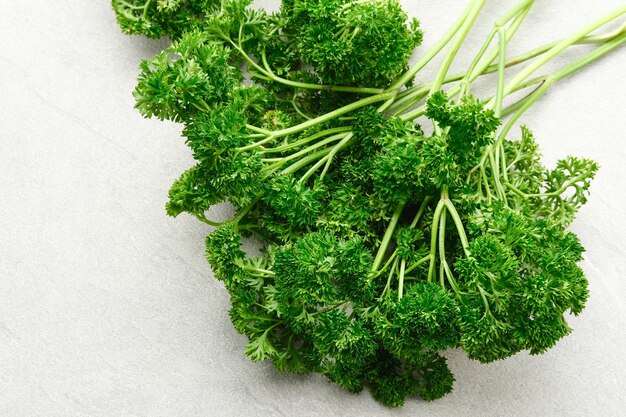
107,306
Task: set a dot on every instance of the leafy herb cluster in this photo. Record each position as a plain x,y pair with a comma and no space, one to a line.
382,245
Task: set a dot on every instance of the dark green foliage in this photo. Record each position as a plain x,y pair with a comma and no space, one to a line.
223,251
156,18
519,279
423,319
351,43
294,201
190,76
393,382
349,212
396,175
319,270
192,193
426,375
347,347
304,272
483,336
434,378
469,127
409,241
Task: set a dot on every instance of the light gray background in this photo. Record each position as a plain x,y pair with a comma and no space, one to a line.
107,306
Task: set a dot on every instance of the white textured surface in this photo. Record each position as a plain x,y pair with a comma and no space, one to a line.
107,307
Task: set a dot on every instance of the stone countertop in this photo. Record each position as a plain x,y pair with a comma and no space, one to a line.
107,306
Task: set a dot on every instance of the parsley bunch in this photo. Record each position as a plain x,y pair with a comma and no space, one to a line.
382,245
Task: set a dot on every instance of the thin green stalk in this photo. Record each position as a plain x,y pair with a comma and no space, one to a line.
433,239
442,247
308,139
407,101
432,52
561,46
295,106
305,161
420,211
495,168
564,72
485,64
459,225
256,144
445,273
475,69
519,12
590,39
391,258
460,38
333,152
418,263
327,159
391,271
204,219
613,36
502,58
260,270
387,237
313,169
333,114
281,161
401,278
269,73
519,103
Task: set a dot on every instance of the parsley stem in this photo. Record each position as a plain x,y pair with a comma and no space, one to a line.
459,225
418,263
282,160
445,271
512,108
388,234
258,129
422,62
308,139
562,45
202,217
533,53
313,169
501,61
464,30
389,276
433,239
564,72
259,270
391,258
485,302
401,278
420,211
333,152
270,74
142,7
305,161
326,160
333,114
442,248
519,12
256,144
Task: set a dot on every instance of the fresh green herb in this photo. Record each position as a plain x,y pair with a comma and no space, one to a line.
382,245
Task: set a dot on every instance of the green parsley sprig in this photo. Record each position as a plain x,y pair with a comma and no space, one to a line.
382,245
